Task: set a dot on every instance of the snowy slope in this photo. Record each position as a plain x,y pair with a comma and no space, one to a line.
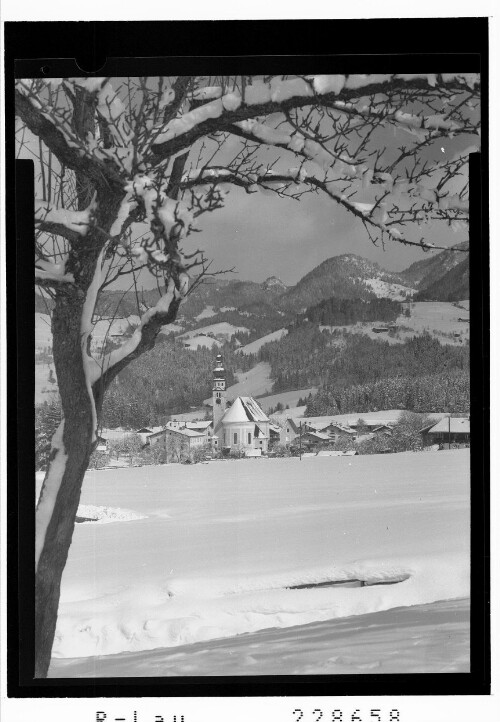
223,543
289,398
217,329
207,312
255,346
384,289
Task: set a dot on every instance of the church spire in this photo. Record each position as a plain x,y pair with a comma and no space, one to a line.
219,391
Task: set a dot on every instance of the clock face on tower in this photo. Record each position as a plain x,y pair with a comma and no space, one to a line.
217,401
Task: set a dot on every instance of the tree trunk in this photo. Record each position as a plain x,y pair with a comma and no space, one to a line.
77,440
78,434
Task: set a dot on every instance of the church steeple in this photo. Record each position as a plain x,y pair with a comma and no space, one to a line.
219,391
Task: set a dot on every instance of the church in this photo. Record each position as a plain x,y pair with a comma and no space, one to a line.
243,425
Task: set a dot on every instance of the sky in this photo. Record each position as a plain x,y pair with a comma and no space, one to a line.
270,236
262,235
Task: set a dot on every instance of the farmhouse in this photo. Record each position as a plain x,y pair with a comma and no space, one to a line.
289,432
335,430
187,439
315,439
243,426
448,431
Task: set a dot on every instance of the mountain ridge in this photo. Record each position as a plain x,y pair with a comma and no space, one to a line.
347,276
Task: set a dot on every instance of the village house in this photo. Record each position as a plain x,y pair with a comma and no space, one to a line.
449,431
284,430
314,440
188,439
336,430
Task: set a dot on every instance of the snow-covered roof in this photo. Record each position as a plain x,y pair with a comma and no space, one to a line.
321,426
454,425
318,435
156,433
186,432
373,423
244,408
115,434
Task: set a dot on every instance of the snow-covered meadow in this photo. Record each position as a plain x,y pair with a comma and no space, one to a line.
257,548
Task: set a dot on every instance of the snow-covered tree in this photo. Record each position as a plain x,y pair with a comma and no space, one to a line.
126,169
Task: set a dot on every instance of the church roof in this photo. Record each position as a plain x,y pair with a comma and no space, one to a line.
244,408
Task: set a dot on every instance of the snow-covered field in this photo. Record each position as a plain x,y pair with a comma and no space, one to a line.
221,546
435,317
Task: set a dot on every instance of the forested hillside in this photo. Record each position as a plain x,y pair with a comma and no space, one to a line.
308,356
429,270
346,311
453,286
341,276
446,391
168,380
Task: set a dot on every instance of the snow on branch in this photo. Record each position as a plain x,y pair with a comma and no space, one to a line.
53,127
158,316
119,147
48,273
50,218
375,214
264,98
301,145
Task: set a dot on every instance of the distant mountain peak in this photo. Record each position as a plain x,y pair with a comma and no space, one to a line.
275,283
427,272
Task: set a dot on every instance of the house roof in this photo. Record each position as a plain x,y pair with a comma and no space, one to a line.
318,435
322,425
454,425
186,432
373,423
198,424
244,408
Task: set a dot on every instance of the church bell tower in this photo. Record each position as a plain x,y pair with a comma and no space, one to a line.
219,391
